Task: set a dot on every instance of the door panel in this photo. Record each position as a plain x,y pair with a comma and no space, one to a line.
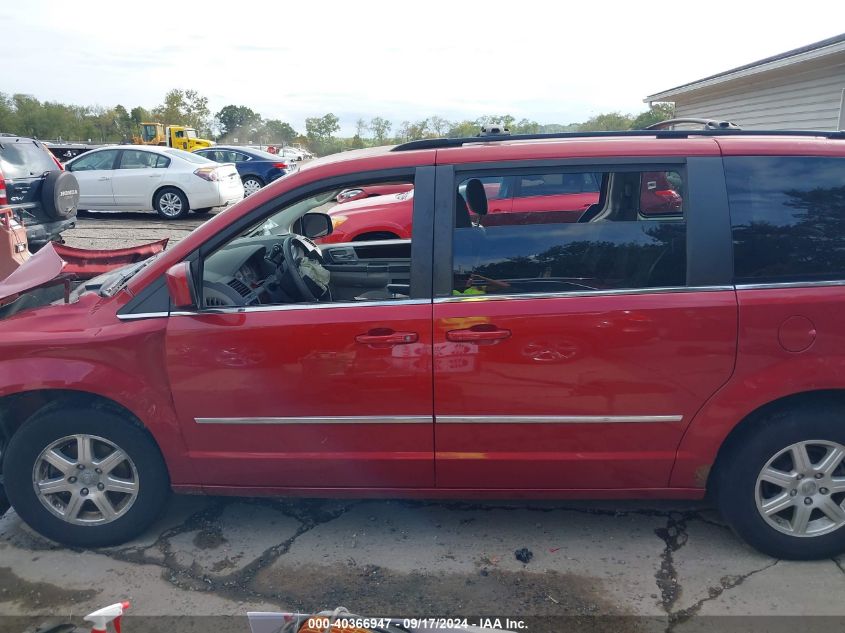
584,392
289,397
134,187
95,188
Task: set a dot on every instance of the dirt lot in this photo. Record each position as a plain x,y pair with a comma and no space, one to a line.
609,566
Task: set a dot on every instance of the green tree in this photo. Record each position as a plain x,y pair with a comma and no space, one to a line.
184,107
361,128
278,131
232,118
140,115
611,121
322,128
123,122
655,114
8,117
380,128
463,129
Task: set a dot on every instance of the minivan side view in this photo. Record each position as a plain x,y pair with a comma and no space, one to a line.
678,335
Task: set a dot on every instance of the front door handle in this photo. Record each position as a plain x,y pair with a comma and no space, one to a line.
482,333
385,337
104,178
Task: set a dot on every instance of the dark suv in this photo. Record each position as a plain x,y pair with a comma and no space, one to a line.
34,184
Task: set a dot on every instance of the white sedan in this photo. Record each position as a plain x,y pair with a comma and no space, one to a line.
152,178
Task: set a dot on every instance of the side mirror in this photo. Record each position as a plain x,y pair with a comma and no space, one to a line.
180,286
315,225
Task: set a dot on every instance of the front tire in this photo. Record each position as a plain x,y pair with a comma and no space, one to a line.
85,477
782,484
170,203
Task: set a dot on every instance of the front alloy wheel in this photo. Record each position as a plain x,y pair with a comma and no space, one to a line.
85,476
85,480
801,489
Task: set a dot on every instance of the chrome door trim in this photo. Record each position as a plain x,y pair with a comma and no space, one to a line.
791,284
557,419
277,308
585,293
343,419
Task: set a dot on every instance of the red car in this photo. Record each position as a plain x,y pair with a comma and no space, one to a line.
369,191
384,212
636,351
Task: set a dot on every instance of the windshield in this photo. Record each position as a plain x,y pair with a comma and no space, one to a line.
191,133
280,223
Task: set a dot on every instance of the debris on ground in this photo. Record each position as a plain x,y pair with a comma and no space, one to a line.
524,555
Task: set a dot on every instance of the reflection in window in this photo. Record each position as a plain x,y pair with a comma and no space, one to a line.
628,233
788,218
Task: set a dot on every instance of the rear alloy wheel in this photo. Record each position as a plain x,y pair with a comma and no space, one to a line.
781,485
800,490
251,185
85,477
171,204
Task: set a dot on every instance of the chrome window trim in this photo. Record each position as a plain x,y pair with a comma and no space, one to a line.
585,293
277,308
343,419
556,419
791,284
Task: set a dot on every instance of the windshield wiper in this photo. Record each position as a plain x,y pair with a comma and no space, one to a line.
117,284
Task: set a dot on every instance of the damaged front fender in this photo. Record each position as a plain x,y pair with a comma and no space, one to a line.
59,264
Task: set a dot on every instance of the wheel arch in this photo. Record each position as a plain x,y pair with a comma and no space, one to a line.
161,188
19,407
707,473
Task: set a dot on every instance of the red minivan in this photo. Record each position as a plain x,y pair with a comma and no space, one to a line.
682,335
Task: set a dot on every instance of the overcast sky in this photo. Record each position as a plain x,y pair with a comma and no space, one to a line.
551,61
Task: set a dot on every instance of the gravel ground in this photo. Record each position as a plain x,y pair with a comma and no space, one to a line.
609,566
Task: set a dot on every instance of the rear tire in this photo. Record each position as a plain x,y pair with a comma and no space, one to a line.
782,481
104,494
171,204
251,185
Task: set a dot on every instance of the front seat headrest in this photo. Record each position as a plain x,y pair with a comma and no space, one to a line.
476,196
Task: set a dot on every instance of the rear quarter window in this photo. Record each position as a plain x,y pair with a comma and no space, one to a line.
787,218
24,159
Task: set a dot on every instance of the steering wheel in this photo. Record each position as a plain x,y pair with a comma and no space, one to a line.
292,263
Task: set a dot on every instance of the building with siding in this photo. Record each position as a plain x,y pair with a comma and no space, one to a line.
799,89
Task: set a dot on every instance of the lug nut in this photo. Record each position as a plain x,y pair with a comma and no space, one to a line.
793,492
100,487
819,475
808,501
98,471
84,492
71,480
80,466
824,491
799,476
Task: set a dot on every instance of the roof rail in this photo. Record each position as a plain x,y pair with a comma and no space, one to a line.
439,143
707,124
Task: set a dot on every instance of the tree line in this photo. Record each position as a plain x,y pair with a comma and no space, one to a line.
49,120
